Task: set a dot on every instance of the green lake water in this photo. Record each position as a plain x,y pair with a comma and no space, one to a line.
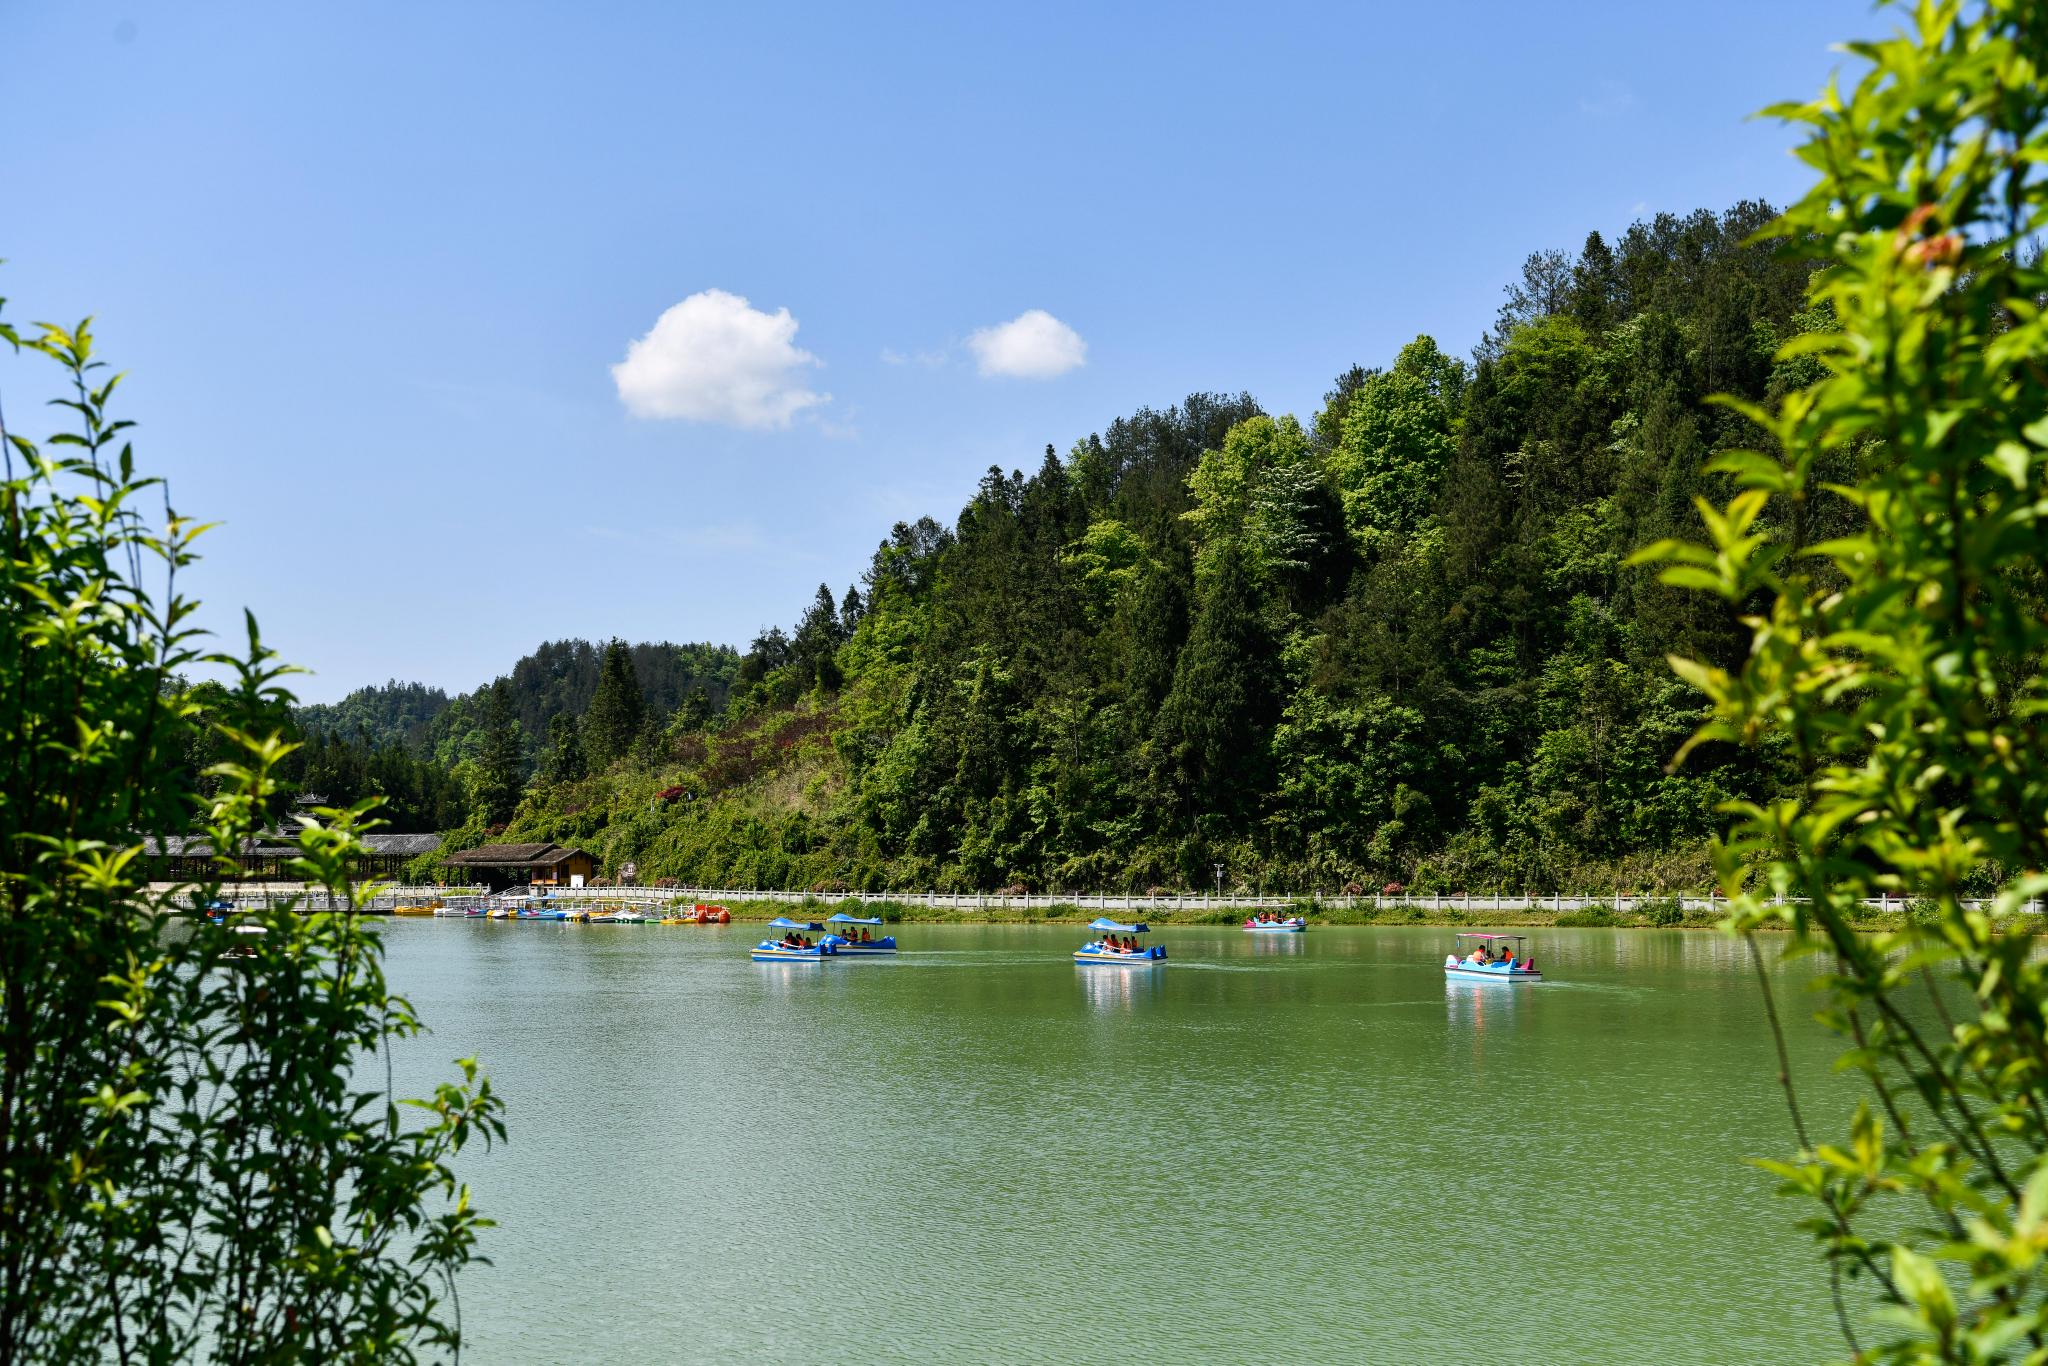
1273,1148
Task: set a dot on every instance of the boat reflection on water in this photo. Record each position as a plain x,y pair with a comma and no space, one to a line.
1268,945
788,981
1107,991
1473,1004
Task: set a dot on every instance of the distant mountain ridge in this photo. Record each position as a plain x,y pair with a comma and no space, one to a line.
558,678
382,714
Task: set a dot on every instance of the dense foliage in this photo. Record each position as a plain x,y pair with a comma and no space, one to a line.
196,1156
1899,666
437,760
1397,642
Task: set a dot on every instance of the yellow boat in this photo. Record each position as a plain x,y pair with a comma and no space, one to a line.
427,909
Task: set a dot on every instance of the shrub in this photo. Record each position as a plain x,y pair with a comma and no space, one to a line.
194,1150
1662,911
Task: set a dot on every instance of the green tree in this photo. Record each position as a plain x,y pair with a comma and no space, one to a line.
196,1153
1255,501
563,760
1900,666
500,765
695,712
617,710
1108,561
1397,440
817,640
1213,729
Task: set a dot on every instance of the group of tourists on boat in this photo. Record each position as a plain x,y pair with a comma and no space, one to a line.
1118,943
841,936
1272,922
1493,956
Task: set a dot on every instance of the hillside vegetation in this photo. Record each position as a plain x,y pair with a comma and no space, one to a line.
1394,642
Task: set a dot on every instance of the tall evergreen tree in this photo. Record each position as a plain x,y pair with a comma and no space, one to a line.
500,765
1213,729
616,709
563,760
817,639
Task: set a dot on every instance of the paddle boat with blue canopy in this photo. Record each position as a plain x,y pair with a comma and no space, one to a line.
1107,949
846,936
791,948
1491,958
1267,923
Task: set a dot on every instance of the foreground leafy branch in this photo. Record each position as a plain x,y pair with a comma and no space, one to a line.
1902,665
194,1160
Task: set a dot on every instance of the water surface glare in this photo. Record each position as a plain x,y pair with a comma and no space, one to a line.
1273,1148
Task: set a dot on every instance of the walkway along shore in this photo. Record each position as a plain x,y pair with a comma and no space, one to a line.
1401,908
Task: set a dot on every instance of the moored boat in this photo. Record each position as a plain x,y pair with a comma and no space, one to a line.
848,936
1266,923
1114,947
1482,963
244,945
698,914
793,946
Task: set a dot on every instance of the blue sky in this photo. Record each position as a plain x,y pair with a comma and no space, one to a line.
371,268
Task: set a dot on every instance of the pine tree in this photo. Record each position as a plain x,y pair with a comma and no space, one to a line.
1595,284
817,639
1212,731
499,766
616,710
563,761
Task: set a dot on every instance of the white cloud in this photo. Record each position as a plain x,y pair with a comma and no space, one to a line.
716,358
1033,345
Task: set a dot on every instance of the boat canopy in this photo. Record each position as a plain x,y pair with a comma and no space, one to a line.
1105,923
783,922
1490,936
844,919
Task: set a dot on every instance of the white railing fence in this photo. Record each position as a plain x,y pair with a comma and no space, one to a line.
244,896
1623,903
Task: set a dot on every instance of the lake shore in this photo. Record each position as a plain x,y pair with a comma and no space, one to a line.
1599,917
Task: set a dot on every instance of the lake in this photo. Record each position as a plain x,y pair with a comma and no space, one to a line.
1275,1147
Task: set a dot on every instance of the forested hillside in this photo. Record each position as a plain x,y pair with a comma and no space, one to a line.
1397,641
430,755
